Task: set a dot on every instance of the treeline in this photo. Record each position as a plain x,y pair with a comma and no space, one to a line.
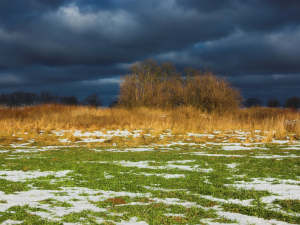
162,86
154,85
21,98
292,102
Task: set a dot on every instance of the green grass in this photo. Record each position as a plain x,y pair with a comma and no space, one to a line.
289,205
54,202
262,212
196,197
10,186
25,214
224,220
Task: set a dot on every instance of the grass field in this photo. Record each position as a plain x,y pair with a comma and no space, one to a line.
148,176
94,178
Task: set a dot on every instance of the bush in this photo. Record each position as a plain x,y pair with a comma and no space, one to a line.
161,86
292,102
273,103
210,93
93,100
253,102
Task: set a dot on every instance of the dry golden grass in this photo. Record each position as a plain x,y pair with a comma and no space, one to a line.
35,120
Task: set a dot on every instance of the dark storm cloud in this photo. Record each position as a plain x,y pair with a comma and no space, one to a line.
242,53
71,35
41,75
54,42
251,15
264,87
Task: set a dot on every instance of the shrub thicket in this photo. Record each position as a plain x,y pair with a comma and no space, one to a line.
162,86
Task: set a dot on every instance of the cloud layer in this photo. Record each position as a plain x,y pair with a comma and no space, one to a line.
74,43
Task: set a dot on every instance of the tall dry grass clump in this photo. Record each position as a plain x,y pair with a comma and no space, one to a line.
161,86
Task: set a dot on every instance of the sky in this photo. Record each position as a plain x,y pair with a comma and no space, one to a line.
83,47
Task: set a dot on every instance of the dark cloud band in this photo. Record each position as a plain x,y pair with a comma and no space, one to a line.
50,42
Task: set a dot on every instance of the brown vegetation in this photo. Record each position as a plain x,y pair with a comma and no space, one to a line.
153,98
179,120
154,86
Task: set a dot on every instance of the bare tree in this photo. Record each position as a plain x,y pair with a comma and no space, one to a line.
3,99
113,104
273,103
30,98
21,98
149,84
46,97
253,102
292,102
16,99
56,99
161,86
70,100
93,100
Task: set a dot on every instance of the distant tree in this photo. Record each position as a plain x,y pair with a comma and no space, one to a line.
70,100
253,102
46,97
21,98
3,99
56,99
30,98
292,102
16,99
273,103
73,100
93,100
113,104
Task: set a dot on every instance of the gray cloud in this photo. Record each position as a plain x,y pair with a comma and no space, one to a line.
7,79
55,42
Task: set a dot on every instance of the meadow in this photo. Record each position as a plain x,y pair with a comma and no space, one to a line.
82,165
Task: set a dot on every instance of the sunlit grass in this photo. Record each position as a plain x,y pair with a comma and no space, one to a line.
103,171
40,120
159,172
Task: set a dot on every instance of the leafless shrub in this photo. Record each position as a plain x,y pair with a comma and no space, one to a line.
161,86
210,93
